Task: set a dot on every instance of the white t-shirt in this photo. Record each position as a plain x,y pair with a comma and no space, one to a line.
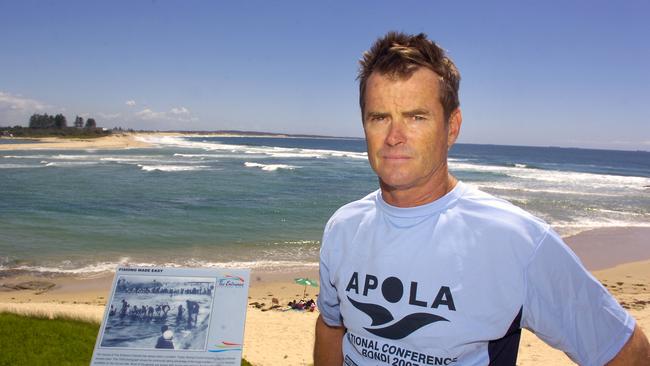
453,281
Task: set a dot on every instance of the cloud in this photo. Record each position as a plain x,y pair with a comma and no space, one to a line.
20,103
147,115
179,114
179,111
15,108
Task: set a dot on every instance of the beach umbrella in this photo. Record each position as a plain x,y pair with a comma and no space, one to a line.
305,282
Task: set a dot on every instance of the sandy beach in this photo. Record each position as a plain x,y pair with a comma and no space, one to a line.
274,337
121,140
115,141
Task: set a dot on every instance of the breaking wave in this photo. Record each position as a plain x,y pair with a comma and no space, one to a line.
269,167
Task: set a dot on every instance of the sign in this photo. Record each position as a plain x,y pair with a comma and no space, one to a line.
174,316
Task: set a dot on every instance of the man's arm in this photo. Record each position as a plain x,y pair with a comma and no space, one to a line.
635,352
328,348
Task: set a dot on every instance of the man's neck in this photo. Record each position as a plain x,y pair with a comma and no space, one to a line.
417,196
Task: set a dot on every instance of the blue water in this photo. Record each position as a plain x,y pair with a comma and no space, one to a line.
262,202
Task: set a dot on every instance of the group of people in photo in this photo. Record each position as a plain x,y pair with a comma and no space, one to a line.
147,312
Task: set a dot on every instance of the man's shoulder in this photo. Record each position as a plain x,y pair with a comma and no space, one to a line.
474,198
355,209
481,207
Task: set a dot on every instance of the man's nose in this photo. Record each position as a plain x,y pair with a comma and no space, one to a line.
396,134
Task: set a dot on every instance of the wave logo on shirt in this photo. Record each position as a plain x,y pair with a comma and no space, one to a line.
392,289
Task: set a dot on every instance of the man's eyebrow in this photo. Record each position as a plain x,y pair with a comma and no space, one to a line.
416,112
377,114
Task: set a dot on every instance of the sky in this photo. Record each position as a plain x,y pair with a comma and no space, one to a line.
536,73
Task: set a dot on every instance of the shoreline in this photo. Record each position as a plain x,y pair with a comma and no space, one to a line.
122,140
592,246
277,337
114,141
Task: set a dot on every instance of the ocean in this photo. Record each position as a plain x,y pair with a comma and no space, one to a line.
262,202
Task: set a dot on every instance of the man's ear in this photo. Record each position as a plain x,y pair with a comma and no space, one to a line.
453,127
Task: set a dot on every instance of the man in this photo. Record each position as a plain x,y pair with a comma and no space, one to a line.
165,340
429,271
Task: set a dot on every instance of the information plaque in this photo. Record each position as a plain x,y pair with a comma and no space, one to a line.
174,316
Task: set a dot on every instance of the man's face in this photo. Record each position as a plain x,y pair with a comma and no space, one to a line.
405,129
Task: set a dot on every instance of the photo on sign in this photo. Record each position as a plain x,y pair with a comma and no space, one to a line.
159,312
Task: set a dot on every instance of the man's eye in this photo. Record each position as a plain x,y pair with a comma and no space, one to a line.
418,118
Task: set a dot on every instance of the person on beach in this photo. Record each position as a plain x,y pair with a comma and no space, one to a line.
192,312
430,271
165,309
165,340
179,315
124,308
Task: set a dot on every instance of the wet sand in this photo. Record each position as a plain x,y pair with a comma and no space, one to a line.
594,247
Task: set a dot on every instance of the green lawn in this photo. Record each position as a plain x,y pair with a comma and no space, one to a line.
42,341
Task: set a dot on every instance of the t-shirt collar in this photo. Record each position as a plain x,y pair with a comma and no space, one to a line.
422,210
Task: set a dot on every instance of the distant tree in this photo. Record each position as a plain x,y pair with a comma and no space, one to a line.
41,121
49,121
33,121
60,121
78,122
90,123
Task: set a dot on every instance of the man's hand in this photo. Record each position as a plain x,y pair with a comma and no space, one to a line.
635,352
328,348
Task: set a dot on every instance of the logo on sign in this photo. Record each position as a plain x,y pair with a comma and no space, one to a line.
230,281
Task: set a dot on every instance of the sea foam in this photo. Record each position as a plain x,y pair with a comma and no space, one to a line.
272,151
269,167
94,269
565,179
172,168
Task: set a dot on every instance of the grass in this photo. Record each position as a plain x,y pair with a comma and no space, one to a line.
42,341
33,340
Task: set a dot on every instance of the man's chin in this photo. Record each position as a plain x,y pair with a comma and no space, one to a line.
395,184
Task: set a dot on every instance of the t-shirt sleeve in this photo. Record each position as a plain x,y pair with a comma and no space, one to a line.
569,309
328,301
